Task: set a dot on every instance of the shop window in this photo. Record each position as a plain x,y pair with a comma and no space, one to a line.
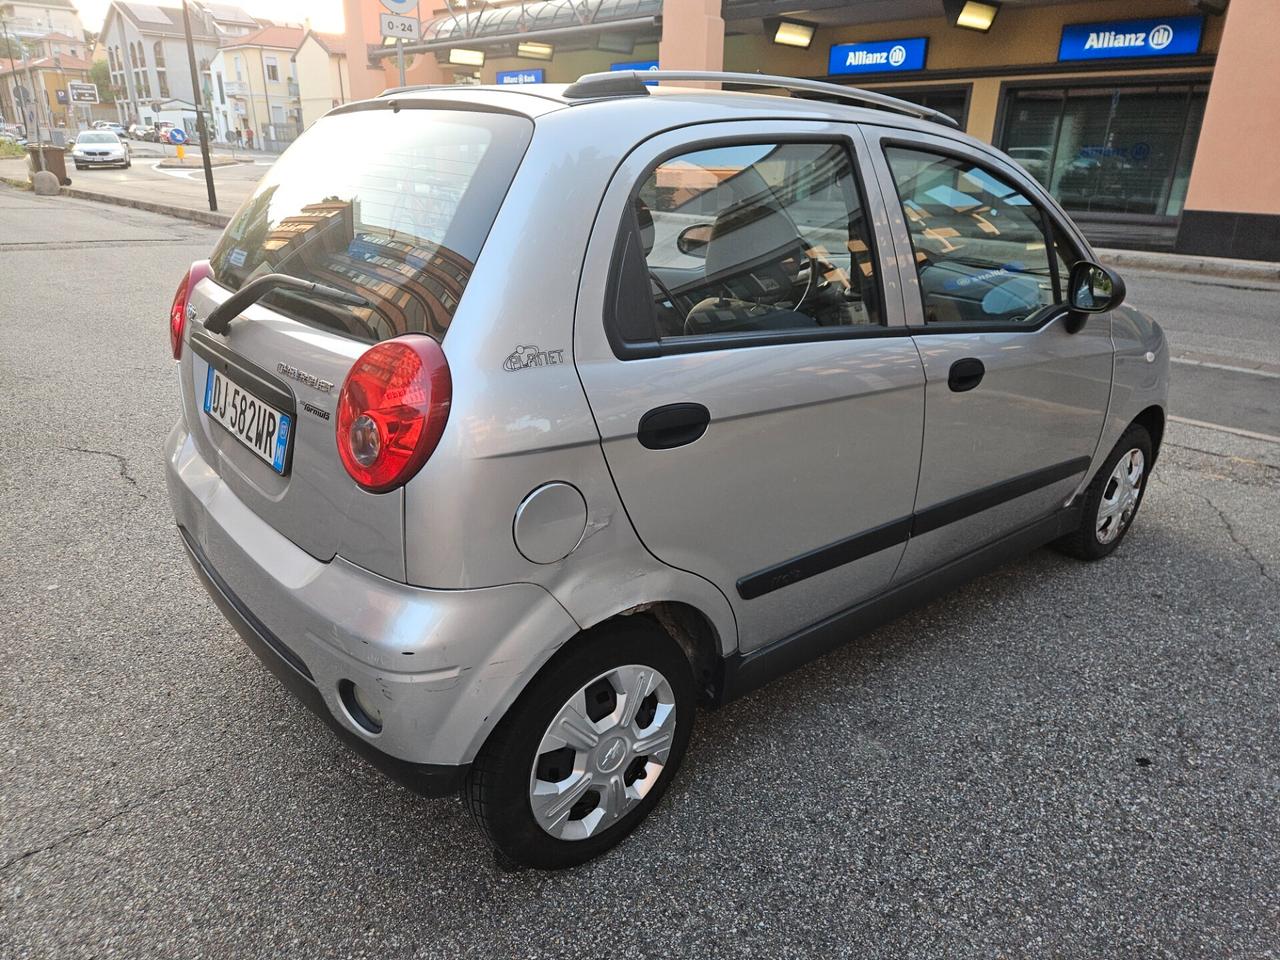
952,101
1108,149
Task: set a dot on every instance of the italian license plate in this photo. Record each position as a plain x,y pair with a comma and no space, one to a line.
258,425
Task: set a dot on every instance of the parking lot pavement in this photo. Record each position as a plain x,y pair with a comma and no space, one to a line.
1057,760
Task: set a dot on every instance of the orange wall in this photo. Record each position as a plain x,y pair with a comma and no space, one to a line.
1243,111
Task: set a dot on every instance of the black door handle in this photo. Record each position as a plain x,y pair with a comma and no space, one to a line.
673,425
965,374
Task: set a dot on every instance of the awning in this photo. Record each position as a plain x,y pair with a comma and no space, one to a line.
541,20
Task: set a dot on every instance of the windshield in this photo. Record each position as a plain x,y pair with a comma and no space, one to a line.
391,206
97,138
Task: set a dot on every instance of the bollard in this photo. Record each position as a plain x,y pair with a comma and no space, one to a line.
182,151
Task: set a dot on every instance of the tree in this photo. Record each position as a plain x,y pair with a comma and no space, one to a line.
100,74
10,48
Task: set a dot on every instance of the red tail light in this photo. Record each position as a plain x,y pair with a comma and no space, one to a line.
178,312
392,411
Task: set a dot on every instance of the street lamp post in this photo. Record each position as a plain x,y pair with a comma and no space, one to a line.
195,99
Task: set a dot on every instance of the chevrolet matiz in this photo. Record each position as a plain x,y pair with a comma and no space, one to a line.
518,422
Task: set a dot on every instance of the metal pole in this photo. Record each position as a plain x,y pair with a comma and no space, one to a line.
31,93
400,59
195,98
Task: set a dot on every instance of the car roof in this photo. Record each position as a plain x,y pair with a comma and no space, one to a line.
660,107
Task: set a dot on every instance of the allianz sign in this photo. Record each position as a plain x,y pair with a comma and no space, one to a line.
1164,37
881,56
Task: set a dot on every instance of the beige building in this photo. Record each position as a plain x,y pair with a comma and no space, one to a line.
1154,122
324,79
255,88
30,20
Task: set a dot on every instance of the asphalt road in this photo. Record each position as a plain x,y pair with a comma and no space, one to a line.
1225,341
1057,760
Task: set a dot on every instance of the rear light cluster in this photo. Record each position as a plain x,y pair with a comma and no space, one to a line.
181,303
392,410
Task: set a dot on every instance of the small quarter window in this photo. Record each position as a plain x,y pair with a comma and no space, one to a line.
981,246
748,239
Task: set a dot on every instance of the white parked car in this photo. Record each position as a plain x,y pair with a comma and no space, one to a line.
100,148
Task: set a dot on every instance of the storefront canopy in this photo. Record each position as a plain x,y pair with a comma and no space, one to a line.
546,19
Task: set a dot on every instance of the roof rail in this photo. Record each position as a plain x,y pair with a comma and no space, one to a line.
631,83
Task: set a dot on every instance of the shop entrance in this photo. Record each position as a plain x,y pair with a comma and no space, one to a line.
1118,149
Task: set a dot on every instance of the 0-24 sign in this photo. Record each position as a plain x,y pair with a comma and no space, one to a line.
402,28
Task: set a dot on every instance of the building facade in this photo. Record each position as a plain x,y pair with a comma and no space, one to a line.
324,77
255,88
1152,121
29,21
146,51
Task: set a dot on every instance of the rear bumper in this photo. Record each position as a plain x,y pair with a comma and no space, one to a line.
443,666
428,779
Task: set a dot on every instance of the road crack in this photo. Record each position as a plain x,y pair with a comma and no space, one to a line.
80,834
1231,532
121,463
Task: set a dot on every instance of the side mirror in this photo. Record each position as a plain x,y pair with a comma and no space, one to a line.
692,241
1093,288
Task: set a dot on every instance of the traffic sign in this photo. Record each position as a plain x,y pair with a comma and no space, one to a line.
400,7
82,92
177,136
401,28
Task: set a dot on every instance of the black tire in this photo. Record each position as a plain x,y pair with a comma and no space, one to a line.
496,789
1083,543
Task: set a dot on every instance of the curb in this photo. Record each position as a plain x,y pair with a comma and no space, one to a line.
206,217
1203,266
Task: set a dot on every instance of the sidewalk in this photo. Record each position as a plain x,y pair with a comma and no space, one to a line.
1179,263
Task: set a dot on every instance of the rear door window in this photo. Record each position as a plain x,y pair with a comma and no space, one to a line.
391,205
755,238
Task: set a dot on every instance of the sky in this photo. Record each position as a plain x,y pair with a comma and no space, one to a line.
326,15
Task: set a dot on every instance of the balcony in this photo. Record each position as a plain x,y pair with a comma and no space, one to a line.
293,88
236,88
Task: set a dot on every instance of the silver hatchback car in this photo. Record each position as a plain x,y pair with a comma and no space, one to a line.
518,422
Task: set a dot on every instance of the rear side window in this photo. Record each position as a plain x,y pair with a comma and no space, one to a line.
743,239
982,247
391,205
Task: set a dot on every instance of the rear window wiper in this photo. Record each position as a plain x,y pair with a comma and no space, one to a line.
222,315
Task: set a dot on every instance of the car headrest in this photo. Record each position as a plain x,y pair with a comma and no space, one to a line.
645,218
748,234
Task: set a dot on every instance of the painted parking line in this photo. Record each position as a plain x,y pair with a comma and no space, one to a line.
1225,366
1221,428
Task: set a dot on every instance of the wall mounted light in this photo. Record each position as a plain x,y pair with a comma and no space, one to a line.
971,14
463,57
535,51
792,33
616,42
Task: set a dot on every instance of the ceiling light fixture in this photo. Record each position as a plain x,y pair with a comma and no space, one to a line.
971,14
463,57
793,33
535,51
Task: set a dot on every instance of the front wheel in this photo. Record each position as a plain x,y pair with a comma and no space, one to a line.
1111,501
587,750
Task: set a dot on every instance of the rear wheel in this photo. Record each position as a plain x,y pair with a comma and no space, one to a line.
588,749
1111,501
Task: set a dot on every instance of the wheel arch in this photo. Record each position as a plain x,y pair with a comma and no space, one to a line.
1152,419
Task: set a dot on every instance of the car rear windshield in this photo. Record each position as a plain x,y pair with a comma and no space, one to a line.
391,205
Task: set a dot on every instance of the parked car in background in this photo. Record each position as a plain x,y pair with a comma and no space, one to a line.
807,363
112,126
162,131
100,148
139,131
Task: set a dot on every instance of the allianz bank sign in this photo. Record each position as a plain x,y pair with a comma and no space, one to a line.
1157,37
883,56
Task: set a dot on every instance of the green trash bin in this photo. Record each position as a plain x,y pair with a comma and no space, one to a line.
55,161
